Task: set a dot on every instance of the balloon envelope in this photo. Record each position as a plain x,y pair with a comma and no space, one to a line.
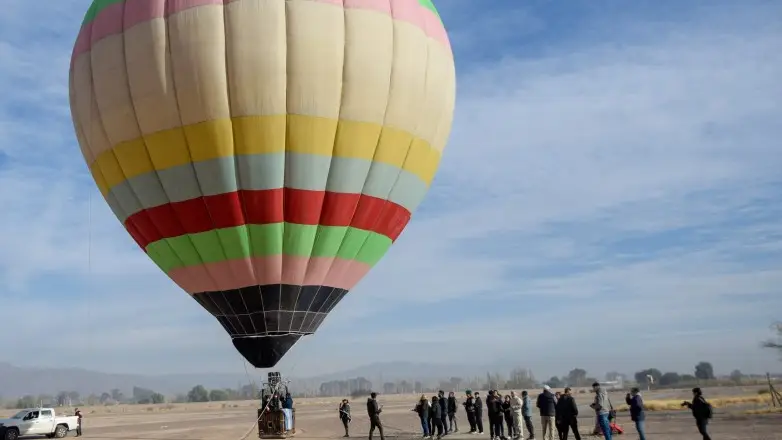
265,154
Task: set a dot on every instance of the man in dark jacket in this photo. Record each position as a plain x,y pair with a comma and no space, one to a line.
478,413
453,427
567,413
494,409
637,413
526,413
701,410
373,411
437,416
443,409
469,408
547,406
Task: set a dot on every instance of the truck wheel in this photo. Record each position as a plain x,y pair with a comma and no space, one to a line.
12,434
60,431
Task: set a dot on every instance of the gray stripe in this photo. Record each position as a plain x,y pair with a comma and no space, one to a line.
347,175
115,207
307,171
263,172
148,189
180,183
216,176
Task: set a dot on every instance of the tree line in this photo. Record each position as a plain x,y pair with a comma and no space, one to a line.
522,378
519,379
139,395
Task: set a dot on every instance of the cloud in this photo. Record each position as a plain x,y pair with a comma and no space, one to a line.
614,183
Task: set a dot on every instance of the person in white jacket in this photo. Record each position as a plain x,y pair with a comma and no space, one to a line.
515,406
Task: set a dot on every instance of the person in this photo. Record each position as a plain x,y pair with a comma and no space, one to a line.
507,412
478,413
78,415
422,409
437,416
558,415
637,412
602,407
430,417
274,403
526,412
453,426
494,410
443,410
344,415
516,404
567,412
701,411
373,411
558,420
469,408
546,404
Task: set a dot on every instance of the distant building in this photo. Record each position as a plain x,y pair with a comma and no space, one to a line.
617,384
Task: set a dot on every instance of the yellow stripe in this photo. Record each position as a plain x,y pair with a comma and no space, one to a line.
260,135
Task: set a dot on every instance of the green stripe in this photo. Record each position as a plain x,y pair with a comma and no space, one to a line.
428,4
266,240
96,7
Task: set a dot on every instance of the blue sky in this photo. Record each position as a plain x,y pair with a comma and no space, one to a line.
612,178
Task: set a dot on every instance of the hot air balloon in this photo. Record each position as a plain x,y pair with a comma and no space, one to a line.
265,154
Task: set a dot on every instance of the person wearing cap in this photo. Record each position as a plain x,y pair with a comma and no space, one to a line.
547,406
77,413
344,415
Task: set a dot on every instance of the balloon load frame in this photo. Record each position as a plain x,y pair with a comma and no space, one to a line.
274,422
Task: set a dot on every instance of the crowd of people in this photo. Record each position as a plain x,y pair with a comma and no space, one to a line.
510,415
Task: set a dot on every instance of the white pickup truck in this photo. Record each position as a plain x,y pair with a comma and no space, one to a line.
37,422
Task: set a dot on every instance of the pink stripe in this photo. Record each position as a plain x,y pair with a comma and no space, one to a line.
233,274
118,17
412,12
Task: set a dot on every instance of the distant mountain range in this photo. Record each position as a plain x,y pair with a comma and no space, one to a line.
18,381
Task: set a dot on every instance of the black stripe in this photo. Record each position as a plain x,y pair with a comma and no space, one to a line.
266,321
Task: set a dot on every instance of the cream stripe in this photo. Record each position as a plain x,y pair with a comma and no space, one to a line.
256,57
368,64
151,77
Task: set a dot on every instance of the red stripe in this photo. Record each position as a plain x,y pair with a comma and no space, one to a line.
265,207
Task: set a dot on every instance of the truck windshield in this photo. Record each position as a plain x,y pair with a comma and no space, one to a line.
20,415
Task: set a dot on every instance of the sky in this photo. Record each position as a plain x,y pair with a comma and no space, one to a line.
609,199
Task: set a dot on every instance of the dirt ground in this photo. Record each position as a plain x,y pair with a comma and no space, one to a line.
317,419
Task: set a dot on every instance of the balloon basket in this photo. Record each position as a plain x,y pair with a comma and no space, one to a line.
274,421
275,424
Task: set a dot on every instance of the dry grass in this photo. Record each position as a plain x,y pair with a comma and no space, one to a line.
674,405
772,410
